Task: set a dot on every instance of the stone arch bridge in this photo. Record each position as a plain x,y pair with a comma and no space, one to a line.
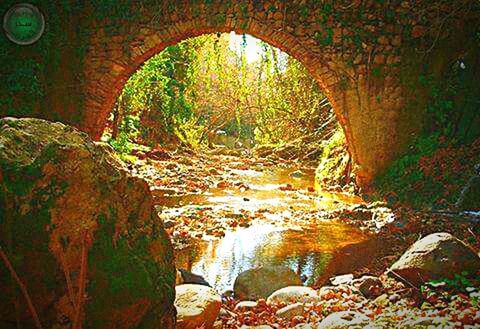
367,56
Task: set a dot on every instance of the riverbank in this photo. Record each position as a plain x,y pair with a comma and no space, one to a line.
227,214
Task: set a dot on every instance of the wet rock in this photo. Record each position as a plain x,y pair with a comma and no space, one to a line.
246,305
68,199
436,256
369,286
294,294
186,277
344,320
341,279
261,282
197,306
290,311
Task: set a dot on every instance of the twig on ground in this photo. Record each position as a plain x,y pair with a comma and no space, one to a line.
77,323
32,309
66,272
401,278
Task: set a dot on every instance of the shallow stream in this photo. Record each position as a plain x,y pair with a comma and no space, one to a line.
313,250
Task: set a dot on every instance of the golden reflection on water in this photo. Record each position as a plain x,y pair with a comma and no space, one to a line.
308,250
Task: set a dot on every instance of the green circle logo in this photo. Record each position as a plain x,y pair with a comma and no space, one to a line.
23,24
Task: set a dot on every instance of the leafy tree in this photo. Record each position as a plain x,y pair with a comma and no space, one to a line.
190,91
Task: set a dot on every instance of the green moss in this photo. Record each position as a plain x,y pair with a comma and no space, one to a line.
333,161
125,273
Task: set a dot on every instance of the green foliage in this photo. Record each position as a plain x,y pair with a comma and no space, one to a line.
129,129
333,161
187,93
325,38
404,175
290,101
154,102
459,282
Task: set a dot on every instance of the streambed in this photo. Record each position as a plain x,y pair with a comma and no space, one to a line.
273,198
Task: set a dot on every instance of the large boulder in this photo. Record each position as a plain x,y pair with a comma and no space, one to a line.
80,232
261,282
436,256
197,306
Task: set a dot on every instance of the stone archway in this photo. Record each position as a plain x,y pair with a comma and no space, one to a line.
366,55
357,109
101,100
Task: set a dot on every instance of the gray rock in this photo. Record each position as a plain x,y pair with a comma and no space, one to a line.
341,279
197,306
290,311
294,294
369,286
261,282
344,320
436,256
246,305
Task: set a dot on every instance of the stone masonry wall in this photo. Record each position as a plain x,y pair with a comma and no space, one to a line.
370,57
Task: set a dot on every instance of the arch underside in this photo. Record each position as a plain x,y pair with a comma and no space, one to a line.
103,92
368,107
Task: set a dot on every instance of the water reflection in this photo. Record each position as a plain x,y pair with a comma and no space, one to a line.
309,250
306,251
